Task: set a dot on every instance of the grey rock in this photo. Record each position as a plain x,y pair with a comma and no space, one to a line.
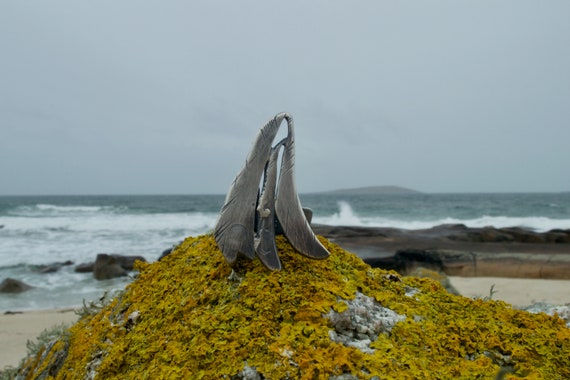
11,285
165,253
106,267
110,266
127,262
446,261
53,267
85,267
458,250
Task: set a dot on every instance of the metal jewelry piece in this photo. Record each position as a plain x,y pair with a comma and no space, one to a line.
249,219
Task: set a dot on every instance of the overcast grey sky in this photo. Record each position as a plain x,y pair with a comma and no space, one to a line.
129,97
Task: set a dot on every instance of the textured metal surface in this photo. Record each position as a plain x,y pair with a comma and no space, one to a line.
278,203
265,244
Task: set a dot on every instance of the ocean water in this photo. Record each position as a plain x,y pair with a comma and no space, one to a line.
37,231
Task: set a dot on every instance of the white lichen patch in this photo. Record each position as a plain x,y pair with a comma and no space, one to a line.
410,292
362,322
248,373
93,365
562,311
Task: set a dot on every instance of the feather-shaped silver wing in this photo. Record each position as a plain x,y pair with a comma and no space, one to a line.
265,246
234,230
288,206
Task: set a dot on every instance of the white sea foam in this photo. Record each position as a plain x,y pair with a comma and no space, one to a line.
39,240
64,288
66,209
50,210
346,216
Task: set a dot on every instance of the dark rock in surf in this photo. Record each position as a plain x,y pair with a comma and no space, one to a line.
165,253
47,269
85,267
111,266
11,285
52,268
106,267
128,262
168,251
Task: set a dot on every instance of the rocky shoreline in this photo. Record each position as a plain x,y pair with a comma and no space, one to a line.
458,250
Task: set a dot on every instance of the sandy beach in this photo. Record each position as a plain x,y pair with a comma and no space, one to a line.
516,291
17,329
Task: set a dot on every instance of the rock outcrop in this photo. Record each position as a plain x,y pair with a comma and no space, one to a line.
111,266
11,285
85,267
106,267
127,262
458,250
478,264
190,316
53,267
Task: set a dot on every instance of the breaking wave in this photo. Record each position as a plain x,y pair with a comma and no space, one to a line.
346,216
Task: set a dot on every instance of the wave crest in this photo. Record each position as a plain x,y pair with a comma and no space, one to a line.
346,216
51,210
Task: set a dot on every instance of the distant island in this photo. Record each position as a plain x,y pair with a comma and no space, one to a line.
373,190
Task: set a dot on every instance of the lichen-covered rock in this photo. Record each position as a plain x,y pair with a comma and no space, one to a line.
189,316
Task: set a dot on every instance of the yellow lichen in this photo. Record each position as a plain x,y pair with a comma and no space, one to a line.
196,320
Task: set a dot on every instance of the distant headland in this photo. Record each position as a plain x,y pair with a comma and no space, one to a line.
373,190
